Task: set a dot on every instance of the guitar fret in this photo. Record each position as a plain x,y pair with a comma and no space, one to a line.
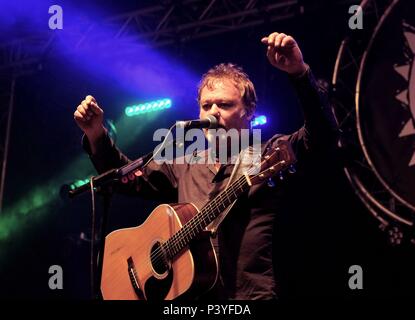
167,250
204,222
190,230
228,198
197,224
217,207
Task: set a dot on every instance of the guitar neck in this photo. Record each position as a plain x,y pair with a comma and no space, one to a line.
208,213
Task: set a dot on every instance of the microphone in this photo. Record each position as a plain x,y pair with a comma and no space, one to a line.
210,122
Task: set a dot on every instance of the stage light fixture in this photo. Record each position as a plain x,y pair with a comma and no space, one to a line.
146,107
258,121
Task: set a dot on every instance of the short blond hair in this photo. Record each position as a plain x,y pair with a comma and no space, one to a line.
237,76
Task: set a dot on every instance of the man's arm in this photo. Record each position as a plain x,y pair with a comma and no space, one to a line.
156,181
320,129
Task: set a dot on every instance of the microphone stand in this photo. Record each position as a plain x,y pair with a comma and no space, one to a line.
104,185
115,175
111,176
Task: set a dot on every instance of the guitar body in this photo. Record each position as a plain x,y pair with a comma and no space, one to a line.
134,268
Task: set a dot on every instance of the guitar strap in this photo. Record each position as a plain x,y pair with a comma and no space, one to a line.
248,159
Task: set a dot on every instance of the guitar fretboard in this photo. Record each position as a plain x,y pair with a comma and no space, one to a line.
200,221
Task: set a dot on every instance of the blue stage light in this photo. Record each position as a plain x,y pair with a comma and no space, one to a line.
258,121
148,107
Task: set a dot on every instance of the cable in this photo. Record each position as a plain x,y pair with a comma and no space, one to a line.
92,273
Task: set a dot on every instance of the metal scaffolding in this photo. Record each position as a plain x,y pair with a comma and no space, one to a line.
6,112
165,23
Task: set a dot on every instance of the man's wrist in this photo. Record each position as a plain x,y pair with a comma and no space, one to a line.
301,72
96,135
94,140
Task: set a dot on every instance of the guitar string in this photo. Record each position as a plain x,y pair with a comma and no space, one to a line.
157,255
213,205
216,204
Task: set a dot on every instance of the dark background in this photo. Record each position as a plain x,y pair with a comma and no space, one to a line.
324,231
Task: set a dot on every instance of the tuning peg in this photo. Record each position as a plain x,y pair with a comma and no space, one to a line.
281,175
271,183
291,169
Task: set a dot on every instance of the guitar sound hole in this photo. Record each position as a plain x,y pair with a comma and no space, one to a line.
158,259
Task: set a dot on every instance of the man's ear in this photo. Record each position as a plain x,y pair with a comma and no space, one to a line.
249,113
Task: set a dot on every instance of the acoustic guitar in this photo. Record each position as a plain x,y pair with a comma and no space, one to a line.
170,255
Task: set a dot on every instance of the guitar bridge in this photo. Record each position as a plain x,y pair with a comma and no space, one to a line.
133,278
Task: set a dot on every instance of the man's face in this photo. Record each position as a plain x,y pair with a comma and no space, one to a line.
223,100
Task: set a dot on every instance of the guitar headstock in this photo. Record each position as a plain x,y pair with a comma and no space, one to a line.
276,160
